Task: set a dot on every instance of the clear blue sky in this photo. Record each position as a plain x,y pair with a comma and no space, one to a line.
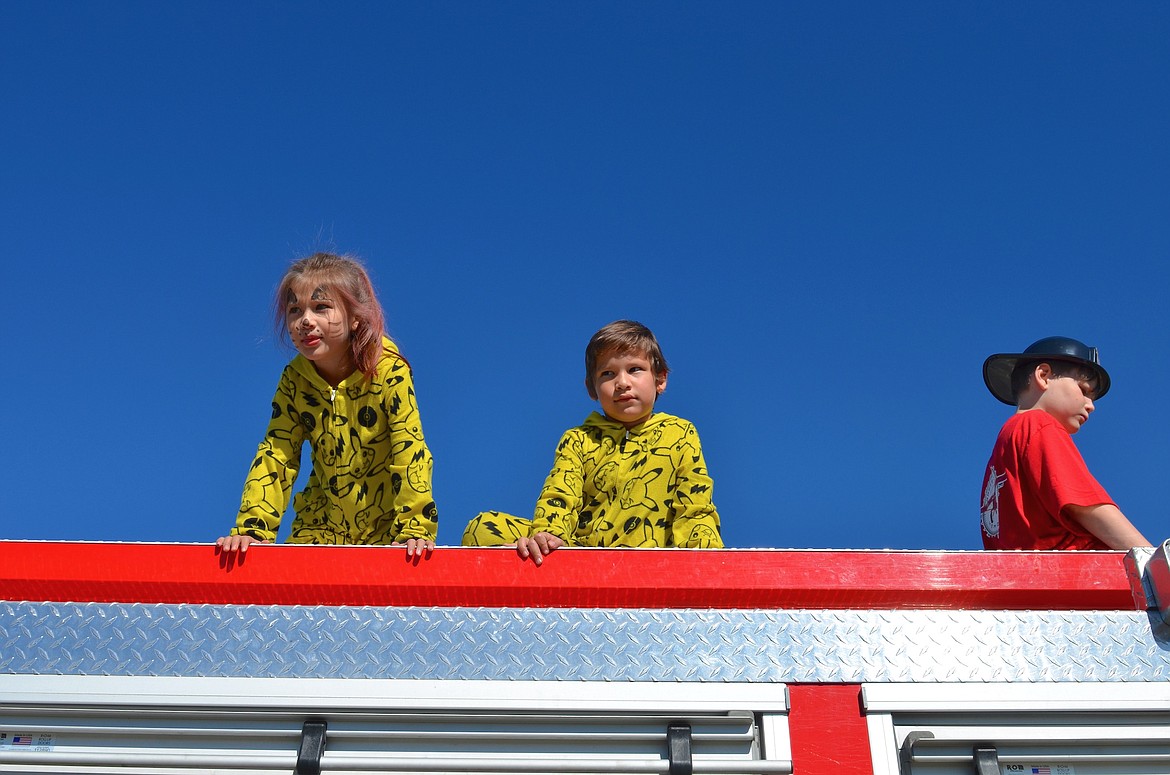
829,212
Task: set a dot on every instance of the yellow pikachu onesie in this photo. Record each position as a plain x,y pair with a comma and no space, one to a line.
609,486
371,476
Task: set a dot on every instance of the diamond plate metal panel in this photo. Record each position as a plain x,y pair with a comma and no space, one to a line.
582,644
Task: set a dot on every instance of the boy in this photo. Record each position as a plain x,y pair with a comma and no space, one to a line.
1037,492
627,476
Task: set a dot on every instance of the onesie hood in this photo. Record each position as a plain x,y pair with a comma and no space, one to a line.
304,367
613,427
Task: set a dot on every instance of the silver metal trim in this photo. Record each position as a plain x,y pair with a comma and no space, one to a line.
591,645
1014,697
298,695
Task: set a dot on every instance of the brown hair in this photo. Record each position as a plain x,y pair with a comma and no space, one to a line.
345,278
623,336
1023,372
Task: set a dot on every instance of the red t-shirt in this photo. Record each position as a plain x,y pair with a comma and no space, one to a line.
1034,472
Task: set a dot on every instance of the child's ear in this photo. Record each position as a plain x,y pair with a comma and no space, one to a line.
1042,376
660,382
589,389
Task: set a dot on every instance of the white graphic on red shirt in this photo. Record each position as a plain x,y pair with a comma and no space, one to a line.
990,508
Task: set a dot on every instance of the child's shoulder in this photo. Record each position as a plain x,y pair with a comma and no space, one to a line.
390,347
596,429
1031,419
392,366
300,370
1034,423
668,419
661,421
596,424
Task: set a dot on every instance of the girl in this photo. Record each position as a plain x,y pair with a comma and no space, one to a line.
350,394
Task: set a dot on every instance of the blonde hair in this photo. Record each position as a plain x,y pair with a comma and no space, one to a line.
344,278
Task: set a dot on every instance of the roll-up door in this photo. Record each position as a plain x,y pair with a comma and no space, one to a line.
262,727
1031,729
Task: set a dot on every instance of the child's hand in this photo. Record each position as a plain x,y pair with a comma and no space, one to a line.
538,546
237,543
416,547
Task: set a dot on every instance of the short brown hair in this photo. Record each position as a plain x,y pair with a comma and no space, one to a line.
623,336
1023,372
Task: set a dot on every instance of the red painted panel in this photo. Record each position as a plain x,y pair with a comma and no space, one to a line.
591,578
829,735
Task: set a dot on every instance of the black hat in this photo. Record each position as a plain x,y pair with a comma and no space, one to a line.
997,370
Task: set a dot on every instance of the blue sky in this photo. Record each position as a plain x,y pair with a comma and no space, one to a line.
829,212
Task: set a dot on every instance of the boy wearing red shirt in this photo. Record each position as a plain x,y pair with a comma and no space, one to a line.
1037,491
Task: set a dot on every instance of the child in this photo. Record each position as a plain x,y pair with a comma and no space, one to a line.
626,478
349,393
1037,492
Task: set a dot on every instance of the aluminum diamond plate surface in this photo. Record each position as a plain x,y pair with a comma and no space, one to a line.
582,644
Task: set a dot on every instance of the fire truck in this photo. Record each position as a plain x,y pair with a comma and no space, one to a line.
153,658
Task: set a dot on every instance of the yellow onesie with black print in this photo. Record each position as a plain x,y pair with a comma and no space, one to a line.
371,476
609,486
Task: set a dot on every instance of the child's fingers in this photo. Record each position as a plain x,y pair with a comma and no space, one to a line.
419,546
531,547
547,542
234,543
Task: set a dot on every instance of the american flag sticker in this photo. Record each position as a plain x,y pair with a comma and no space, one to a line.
1047,769
1041,770
26,741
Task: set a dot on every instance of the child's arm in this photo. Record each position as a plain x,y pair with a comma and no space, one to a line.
559,502
1106,521
416,519
696,522
1054,469
271,476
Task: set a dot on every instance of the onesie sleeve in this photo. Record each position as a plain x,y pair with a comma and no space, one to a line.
695,523
561,497
410,462
274,469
